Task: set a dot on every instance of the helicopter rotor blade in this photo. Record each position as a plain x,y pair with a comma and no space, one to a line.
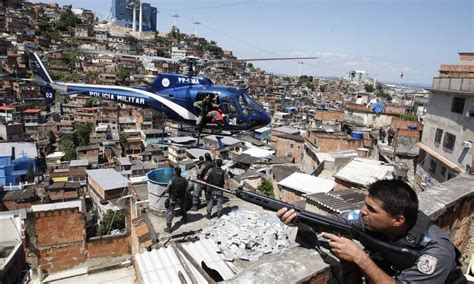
142,57
263,59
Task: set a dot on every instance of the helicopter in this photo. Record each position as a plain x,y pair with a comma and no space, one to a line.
172,94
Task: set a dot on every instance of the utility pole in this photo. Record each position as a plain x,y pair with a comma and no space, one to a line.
196,24
176,16
299,67
134,23
140,21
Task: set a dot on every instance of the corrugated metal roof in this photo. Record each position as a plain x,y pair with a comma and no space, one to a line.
364,171
26,148
79,163
226,140
162,265
287,130
339,201
181,139
206,250
108,178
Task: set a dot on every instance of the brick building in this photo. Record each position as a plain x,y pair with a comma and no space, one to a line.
290,146
362,115
282,130
56,239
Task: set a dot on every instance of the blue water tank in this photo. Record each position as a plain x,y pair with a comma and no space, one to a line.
357,135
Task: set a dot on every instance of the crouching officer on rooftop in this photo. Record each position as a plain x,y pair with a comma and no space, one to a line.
391,213
177,196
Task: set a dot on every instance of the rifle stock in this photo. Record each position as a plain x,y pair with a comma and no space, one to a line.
400,258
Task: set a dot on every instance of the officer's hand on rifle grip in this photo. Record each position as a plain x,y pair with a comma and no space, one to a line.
286,216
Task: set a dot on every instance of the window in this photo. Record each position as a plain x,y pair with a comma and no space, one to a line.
443,171
458,105
449,140
439,134
421,157
432,168
450,175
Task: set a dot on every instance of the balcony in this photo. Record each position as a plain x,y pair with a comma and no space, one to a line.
461,85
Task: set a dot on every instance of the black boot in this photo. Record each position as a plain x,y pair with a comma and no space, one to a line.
168,228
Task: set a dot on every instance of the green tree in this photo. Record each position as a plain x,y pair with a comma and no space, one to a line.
122,74
71,58
369,87
379,87
214,49
266,187
112,220
66,144
409,116
89,102
161,40
30,176
82,132
67,20
133,41
44,27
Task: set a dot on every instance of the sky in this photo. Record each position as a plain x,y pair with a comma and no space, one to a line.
381,37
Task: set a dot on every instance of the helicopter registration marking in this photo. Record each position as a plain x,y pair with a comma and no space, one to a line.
188,80
119,98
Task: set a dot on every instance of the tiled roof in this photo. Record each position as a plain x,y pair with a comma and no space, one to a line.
339,201
32,110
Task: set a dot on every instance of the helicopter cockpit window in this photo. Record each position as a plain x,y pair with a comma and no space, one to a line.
248,105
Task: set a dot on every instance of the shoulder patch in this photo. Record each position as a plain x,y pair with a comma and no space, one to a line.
353,215
427,264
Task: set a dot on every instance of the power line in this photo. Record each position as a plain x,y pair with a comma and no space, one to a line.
211,7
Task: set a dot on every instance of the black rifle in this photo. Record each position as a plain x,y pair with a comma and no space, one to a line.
400,258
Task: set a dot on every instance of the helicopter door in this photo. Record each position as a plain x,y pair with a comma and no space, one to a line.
201,96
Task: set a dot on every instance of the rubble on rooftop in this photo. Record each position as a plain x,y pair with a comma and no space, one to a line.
248,234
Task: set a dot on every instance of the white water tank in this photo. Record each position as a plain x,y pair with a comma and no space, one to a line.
158,180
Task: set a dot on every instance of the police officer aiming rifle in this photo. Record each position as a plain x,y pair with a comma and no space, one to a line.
391,214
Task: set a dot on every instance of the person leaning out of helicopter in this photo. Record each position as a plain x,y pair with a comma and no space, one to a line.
209,108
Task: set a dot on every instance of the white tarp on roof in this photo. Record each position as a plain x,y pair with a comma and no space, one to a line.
162,265
364,171
258,152
307,183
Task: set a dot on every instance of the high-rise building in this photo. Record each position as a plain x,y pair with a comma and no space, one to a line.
122,14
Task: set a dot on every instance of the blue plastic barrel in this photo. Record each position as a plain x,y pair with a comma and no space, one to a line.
357,135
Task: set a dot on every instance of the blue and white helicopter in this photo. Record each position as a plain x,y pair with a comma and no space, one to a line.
171,94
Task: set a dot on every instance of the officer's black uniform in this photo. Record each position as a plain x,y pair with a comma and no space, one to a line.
216,176
177,193
198,187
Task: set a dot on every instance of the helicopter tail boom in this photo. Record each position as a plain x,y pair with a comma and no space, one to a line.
40,69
